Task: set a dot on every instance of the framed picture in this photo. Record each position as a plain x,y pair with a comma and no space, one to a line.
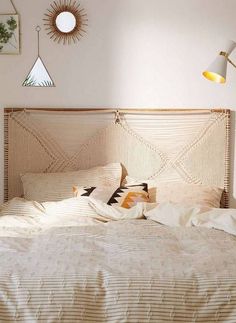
9,34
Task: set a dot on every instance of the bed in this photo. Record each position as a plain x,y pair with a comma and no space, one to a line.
138,269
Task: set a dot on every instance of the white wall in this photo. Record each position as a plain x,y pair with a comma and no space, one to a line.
137,53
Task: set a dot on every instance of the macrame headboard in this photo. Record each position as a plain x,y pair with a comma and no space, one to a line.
167,145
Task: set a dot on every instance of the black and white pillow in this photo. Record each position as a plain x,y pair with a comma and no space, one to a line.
124,196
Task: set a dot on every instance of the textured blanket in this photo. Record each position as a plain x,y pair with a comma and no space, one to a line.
125,271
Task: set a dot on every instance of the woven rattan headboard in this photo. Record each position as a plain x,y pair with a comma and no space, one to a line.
167,145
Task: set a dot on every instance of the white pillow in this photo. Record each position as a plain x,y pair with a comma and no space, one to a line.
44,187
181,193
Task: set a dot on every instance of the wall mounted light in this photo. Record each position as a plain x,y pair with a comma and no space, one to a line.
217,71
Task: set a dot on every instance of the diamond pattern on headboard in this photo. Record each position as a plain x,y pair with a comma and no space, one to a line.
167,145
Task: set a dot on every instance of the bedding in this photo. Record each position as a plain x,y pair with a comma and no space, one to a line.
73,207
21,207
120,271
19,213
85,206
29,217
182,193
44,187
21,217
124,196
125,271
175,215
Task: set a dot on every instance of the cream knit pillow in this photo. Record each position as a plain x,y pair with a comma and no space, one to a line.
45,187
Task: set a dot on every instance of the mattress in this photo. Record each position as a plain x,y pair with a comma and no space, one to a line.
125,271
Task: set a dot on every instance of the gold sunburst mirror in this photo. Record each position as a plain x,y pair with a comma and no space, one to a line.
65,21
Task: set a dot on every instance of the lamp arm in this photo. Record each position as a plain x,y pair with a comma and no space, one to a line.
232,63
226,55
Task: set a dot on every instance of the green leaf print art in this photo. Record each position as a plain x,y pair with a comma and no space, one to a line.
9,34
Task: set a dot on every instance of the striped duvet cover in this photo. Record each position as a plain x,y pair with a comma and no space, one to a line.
125,271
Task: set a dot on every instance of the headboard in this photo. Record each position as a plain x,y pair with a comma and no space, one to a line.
175,145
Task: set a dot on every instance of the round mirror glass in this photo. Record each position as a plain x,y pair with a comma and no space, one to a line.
66,22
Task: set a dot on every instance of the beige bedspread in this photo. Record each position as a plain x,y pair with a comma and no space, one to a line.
125,271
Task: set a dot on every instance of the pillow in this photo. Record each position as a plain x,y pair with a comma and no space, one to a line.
129,196
124,196
45,187
182,193
102,193
115,213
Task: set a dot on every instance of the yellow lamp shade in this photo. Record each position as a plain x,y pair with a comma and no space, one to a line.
216,72
214,77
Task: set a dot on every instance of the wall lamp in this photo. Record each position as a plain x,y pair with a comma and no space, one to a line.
217,71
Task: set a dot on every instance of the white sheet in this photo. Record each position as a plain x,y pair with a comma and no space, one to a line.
27,217
175,215
20,217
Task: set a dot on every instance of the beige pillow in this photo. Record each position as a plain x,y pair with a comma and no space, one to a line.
43,187
181,193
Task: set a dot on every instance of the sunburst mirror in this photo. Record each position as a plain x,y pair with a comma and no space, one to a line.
65,21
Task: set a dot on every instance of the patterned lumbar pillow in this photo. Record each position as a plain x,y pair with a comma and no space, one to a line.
129,196
124,196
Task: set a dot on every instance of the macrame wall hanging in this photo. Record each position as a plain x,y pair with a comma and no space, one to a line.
10,32
38,75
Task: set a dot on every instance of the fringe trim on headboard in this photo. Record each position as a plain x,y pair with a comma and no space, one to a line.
6,142
227,162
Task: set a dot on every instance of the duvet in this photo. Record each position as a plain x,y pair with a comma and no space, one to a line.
63,267
125,271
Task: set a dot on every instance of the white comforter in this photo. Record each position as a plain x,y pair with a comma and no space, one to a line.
120,271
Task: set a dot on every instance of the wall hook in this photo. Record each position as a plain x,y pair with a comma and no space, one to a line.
117,117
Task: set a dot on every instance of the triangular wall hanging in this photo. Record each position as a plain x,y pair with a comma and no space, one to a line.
38,75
